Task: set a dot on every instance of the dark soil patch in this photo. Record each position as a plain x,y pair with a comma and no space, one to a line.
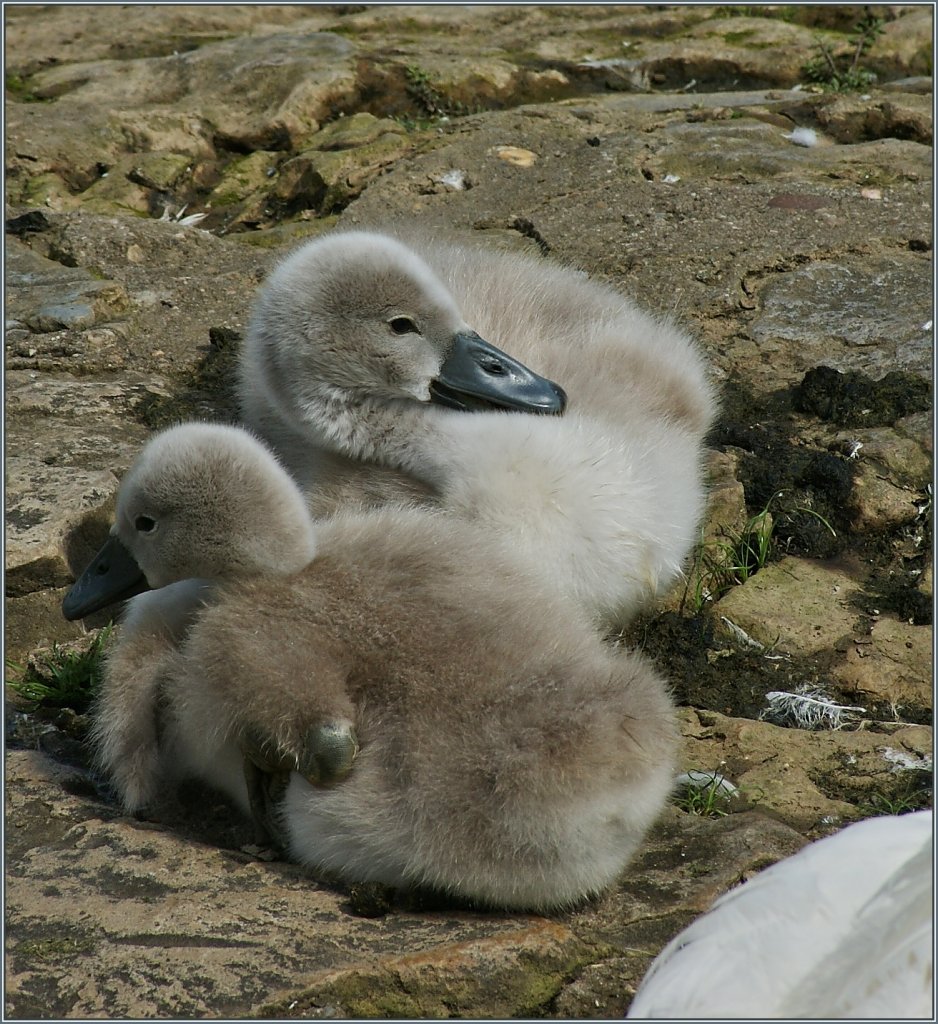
27,223
805,489
854,399
891,793
897,593
707,672
207,392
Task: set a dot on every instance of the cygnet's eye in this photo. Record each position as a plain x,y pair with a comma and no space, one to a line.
144,524
403,325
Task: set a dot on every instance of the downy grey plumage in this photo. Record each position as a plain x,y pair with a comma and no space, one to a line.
504,753
339,374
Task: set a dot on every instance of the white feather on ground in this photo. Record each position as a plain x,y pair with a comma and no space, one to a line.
802,137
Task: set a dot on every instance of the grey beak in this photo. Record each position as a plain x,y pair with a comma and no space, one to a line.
112,576
477,375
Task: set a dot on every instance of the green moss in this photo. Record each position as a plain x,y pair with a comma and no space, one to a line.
286,233
359,129
160,169
738,37
243,177
54,948
519,986
42,187
50,942
430,97
18,89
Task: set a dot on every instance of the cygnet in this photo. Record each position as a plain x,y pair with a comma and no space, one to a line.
410,705
347,371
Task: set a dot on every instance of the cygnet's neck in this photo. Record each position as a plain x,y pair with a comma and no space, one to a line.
398,433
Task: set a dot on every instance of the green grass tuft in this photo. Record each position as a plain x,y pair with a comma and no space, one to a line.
728,561
843,72
63,677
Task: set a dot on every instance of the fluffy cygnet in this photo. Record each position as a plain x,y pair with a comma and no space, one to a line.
843,929
501,751
346,372
191,511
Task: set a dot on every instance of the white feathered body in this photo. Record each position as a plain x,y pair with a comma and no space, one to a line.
843,929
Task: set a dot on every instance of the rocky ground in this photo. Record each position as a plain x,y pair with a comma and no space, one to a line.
651,146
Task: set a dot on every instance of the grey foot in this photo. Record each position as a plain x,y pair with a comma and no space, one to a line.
328,753
265,791
326,757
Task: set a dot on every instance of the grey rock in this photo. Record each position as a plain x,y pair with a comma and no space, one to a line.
862,313
253,91
71,437
855,119
109,915
46,296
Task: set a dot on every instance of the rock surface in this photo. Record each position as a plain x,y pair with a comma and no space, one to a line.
157,169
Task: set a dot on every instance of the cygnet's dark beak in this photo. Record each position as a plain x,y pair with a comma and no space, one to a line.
113,575
476,375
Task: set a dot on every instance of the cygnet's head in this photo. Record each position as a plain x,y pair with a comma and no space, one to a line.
358,316
202,500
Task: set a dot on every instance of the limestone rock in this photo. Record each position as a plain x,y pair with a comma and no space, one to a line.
107,914
878,504
36,527
791,774
851,119
45,296
356,130
823,314
327,180
795,605
904,460
901,45
254,91
72,438
890,666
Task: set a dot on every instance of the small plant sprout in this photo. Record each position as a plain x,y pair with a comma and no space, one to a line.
705,793
807,709
730,560
842,71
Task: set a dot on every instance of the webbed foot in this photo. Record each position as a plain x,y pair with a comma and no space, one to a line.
325,757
